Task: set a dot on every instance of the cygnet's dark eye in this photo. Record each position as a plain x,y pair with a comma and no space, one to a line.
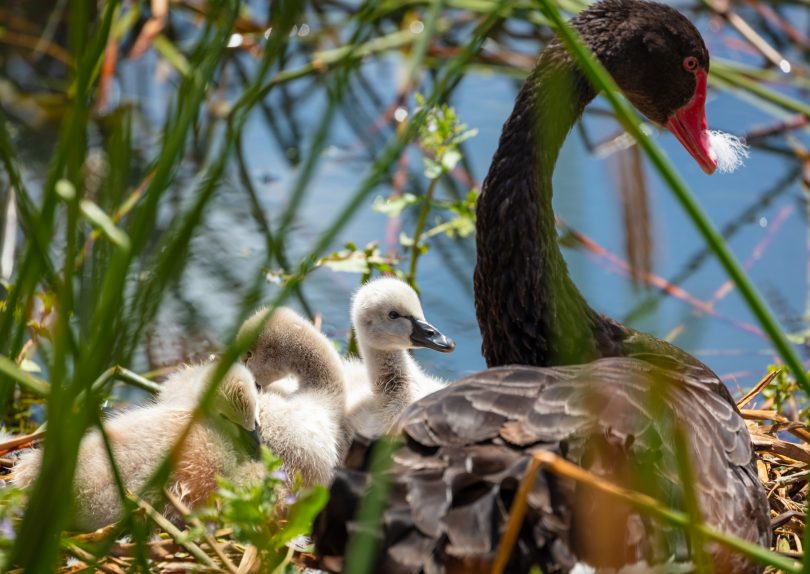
248,355
393,315
690,64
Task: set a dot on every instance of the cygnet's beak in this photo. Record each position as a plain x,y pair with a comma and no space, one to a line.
423,334
253,442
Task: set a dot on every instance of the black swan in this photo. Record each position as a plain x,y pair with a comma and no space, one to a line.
585,395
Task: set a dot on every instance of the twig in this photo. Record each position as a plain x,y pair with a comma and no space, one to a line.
88,558
34,43
757,414
756,253
721,7
185,512
615,263
124,374
248,559
171,530
99,534
516,515
19,442
420,227
792,452
791,478
758,388
796,122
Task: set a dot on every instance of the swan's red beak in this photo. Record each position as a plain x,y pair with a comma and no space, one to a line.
689,126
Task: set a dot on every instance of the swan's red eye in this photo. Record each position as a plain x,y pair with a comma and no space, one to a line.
690,64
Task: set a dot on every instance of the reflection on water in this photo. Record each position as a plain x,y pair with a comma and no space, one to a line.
760,209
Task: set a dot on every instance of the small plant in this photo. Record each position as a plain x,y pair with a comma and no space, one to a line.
11,508
786,395
439,137
267,514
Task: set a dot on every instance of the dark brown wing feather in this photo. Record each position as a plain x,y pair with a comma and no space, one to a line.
467,449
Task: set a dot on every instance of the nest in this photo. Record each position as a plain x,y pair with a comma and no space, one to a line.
781,443
782,446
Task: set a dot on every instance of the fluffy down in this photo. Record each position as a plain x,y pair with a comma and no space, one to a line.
141,438
387,379
302,424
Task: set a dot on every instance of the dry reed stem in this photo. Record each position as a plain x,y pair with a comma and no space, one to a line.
99,534
782,467
249,559
88,559
516,514
172,530
185,512
722,8
20,442
758,388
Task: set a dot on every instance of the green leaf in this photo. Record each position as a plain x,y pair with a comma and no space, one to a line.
432,169
65,190
393,207
30,366
450,160
349,265
10,369
302,513
103,221
171,54
464,136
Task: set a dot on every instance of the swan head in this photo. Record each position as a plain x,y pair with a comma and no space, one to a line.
660,62
237,397
288,344
236,400
387,316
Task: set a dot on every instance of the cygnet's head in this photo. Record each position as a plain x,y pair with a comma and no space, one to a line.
387,316
236,399
287,345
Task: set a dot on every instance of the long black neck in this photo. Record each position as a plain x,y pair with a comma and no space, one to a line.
529,310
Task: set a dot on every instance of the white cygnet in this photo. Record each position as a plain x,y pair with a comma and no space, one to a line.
303,425
388,320
218,443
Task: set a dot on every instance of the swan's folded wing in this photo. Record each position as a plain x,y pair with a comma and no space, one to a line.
466,452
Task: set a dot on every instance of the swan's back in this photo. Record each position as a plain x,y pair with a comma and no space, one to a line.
467,448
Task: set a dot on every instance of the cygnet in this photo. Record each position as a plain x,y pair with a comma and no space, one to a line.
388,320
304,426
217,444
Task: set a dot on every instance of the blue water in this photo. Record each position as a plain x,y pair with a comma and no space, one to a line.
586,198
